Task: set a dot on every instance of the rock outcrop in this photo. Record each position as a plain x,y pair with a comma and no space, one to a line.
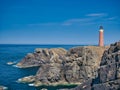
108,73
58,66
42,56
78,64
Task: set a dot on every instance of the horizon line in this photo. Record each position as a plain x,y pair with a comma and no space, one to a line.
48,44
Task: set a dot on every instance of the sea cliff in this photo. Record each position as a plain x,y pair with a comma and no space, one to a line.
59,66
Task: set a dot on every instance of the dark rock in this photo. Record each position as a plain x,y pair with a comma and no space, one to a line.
110,64
108,72
111,85
84,86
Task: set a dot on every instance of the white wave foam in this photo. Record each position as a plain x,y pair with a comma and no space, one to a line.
31,84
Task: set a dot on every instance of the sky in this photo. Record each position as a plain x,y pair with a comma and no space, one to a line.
59,21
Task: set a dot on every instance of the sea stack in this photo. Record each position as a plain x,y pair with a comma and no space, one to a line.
101,36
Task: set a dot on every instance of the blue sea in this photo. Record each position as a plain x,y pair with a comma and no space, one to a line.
9,74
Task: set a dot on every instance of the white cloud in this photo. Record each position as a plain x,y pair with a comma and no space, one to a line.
79,20
111,18
96,14
76,21
89,19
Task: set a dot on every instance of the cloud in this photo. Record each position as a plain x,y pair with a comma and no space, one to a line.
88,19
76,21
64,23
79,20
96,14
91,19
112,18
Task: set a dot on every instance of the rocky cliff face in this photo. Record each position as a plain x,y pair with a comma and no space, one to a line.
80,64
58,66
109,72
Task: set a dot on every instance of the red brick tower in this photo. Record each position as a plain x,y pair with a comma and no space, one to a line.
101,36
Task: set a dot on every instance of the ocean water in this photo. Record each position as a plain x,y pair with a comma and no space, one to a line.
10,74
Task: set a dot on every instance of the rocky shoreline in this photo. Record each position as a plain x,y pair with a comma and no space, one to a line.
89,67
59,66
31,82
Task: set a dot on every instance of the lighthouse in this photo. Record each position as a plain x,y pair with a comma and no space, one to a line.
101,36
